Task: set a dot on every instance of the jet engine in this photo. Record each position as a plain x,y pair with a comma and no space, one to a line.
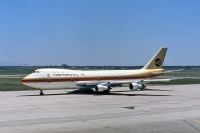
102,88
138,85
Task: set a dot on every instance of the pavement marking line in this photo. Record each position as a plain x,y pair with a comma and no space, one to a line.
191,125
197,122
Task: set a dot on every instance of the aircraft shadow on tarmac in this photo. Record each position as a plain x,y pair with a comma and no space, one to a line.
91,92
156,90
142,90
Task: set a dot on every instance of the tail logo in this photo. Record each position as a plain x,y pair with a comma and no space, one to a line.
158,62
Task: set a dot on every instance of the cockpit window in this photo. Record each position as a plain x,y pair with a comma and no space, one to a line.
36,71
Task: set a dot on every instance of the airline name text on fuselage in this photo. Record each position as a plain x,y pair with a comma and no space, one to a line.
65,75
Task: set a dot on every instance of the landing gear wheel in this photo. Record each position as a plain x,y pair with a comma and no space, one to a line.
106,91
41,93
96,89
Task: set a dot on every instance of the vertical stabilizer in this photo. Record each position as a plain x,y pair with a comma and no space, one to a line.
157,61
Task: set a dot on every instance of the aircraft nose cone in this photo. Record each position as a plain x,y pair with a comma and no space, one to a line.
25,80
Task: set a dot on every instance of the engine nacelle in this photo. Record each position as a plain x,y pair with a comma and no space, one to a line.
101,88
136,86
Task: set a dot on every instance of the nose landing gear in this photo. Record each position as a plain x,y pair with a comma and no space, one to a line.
41,93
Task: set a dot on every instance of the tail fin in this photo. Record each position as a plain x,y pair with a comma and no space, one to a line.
157,61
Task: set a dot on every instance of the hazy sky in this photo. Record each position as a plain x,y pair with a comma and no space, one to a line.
98,32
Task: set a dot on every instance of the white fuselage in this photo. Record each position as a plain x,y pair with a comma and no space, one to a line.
65,78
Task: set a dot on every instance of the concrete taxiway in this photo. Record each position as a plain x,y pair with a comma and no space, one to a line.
158,109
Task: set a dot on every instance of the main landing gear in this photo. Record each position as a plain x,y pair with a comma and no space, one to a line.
102,91
41,93
106,91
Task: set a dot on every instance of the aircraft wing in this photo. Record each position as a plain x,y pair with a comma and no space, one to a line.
118,83
170,71
145,81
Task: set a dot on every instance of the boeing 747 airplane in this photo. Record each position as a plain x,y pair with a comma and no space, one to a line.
99,80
